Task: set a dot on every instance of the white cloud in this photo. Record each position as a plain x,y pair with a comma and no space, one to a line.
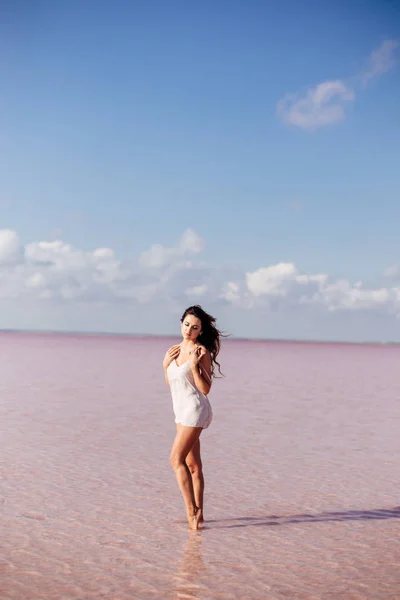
10,249
381,60
37,280
284,280
156,257
159,256
327,102
57,270
56,254
55,274
196,290
103,253
271,280
392,272
231,292
342,295
320,105
191,242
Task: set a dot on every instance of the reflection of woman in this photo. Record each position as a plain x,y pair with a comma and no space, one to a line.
190,381
191,568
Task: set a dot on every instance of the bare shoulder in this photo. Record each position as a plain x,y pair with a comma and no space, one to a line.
206,358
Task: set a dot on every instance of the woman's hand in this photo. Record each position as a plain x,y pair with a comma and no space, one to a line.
196,356
171,354
201,377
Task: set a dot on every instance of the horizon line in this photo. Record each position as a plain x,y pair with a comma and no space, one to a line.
167,335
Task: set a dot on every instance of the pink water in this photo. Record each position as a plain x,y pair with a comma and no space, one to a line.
302,466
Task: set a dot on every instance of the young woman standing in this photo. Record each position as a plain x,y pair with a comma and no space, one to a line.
189,369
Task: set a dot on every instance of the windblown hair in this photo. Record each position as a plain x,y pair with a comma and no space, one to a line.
210,336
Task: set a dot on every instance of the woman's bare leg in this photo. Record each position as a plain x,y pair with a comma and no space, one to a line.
185,439
193,461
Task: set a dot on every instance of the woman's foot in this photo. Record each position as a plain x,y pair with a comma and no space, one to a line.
195,519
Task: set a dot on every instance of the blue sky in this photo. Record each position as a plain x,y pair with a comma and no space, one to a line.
268,132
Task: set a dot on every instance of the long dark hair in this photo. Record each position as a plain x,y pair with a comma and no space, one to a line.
210,336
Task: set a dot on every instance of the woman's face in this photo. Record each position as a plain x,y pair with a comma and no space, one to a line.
191,328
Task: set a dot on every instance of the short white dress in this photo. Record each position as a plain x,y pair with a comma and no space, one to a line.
191,407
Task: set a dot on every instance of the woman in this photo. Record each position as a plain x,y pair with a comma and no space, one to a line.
189,369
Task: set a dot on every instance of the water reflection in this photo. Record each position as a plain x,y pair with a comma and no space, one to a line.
191,568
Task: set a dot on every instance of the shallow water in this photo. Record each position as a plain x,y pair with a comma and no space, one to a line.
301,464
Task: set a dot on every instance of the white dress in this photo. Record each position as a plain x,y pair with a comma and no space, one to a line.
191,407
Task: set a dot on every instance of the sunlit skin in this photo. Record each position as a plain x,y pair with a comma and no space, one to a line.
185,456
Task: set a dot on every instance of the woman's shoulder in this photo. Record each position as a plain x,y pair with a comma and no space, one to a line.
206,356
206,349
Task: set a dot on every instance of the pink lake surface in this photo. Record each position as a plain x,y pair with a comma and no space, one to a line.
302,466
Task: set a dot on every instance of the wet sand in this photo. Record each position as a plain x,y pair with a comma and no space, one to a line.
302,466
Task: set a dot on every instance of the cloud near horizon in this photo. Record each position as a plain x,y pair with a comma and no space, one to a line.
56,272
327,102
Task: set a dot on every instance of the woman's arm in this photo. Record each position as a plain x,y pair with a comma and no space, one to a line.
166,376
200,364
171,354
